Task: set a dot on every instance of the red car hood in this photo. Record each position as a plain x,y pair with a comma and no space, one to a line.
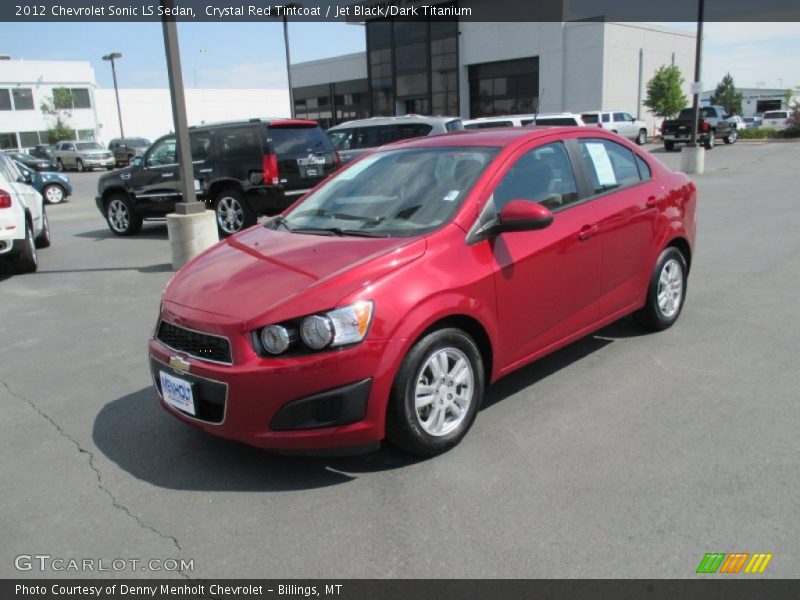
262,273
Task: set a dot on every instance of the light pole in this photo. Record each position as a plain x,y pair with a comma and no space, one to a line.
111,57
288,56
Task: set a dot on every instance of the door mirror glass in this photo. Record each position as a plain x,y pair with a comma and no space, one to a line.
137,162
523,215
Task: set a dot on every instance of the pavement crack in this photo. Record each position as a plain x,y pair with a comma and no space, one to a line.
100,485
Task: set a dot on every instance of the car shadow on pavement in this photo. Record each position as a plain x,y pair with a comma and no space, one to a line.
150,230
137,434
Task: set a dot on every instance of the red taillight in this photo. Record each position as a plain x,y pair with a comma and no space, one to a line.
663,126
704,126
337,160
269,165
5,199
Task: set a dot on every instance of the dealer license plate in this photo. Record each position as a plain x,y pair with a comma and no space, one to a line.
177,392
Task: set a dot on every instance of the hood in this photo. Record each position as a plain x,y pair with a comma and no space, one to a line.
265,273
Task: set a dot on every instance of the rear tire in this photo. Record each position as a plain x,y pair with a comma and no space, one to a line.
669,146
436,394
732,137
43,239
120,216
26,261
232,212
60,165
54,193
79,166
711,140
641,139
666,292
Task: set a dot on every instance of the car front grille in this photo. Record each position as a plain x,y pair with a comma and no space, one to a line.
194,343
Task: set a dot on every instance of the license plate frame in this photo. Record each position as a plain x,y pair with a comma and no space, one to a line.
178,393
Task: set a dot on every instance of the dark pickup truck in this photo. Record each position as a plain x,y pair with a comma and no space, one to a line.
712,126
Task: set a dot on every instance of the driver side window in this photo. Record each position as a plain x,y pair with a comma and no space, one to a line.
542,175
163,153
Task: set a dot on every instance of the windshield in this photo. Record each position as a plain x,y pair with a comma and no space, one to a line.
88,146
393,193
138,143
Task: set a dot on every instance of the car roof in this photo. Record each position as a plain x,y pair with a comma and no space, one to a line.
392,120
278,121
497,137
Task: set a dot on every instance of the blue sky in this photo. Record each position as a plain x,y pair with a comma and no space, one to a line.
251,54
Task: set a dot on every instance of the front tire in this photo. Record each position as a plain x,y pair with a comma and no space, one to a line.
120,216
732,137
60,165
666,292
641,139
436,394
26,261
232,212
54,193
79,166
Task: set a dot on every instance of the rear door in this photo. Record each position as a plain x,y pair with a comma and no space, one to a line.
624,125
626,202
305,155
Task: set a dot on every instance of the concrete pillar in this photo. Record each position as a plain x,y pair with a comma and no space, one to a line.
693,159
190,234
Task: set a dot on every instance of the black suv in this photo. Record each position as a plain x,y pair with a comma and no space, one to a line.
241,170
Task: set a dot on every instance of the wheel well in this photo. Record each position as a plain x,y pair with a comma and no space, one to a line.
217,186
682,245
111,191
475,330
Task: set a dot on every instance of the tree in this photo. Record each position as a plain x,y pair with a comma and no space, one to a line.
726,96
59,108
664,95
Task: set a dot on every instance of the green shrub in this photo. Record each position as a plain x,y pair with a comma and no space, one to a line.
755,134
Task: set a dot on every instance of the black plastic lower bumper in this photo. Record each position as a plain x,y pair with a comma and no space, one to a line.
340,406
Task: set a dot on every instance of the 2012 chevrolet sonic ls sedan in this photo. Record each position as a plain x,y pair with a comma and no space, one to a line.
382,303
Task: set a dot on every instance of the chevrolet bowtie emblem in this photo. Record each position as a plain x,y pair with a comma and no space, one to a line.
178,364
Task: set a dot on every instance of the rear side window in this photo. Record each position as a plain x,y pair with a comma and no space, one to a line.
236,142
590,119
542,175
298,140
412,130
342,139
489,125
778,114
454,125
606,117
556,121
644,168
610,165
201,145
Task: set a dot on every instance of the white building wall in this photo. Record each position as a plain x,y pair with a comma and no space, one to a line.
148,112
326,70
621,44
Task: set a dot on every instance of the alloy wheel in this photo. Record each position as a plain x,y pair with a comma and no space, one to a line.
670,288
230,215
444,391
54,194
119,216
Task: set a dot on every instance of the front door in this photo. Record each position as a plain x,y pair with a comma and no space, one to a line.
155,184
547,281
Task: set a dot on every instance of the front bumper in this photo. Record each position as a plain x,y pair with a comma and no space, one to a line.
98,162
321,401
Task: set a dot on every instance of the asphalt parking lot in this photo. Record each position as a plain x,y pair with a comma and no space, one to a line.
623,455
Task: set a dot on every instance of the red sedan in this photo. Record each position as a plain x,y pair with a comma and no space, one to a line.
382,303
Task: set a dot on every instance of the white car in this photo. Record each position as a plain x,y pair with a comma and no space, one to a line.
738,121
23,220
540,120
619,122
775,119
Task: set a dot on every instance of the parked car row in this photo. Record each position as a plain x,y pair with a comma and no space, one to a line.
23,219
55,187
384,302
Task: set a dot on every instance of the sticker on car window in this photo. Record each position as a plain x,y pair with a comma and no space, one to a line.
450,196
602,164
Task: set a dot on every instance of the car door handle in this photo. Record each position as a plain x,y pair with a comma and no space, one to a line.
651,202
167,174
587,232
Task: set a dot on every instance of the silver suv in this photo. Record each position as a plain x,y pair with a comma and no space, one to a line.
354,138
82,156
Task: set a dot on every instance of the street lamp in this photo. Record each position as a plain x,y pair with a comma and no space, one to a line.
288,56
111,57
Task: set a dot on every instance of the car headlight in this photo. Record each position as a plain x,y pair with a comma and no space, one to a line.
338,327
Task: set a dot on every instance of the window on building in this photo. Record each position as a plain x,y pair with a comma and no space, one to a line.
29,139
80,98
8,141
23,98
85,134
5,99
504,87
71,98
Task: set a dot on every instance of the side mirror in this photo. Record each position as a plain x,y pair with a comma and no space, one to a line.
137,162
523,215
516,215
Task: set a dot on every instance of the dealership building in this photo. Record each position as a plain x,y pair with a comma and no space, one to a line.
472,69
146,112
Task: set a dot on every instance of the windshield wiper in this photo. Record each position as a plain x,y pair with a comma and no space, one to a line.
339,231
321,212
